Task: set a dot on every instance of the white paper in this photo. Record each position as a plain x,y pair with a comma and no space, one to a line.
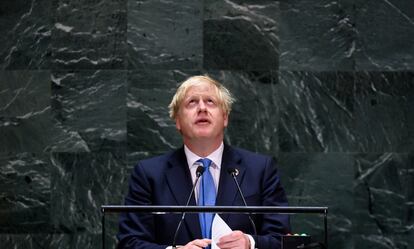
218,230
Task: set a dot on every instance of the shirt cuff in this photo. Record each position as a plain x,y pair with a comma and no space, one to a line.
252,242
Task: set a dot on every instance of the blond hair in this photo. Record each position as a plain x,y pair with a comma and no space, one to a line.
224,96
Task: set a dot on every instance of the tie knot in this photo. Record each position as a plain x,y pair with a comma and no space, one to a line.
205,161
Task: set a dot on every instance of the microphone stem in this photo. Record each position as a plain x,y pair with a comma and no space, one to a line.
244,201
184,213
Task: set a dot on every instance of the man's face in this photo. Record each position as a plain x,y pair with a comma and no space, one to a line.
200,115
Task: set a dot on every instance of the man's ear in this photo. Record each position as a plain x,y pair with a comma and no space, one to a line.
226,119
177,124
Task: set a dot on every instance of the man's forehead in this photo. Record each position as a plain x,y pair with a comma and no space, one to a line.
201,87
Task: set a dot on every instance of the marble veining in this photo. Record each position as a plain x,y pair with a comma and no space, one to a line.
325,87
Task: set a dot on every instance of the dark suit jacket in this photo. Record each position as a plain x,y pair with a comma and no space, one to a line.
166,180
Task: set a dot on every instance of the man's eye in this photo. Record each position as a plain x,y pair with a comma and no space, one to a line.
210,101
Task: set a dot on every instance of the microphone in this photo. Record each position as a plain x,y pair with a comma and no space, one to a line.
200,170
235,172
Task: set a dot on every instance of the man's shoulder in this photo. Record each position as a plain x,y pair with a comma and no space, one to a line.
160,161
248,154
159,158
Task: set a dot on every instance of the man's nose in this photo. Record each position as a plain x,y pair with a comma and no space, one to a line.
201,105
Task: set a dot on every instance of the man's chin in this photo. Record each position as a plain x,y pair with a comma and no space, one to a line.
204,135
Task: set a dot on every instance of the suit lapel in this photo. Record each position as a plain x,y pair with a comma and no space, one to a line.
227,191
179,181
180,184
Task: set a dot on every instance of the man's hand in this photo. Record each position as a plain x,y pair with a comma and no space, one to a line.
197,244
234,240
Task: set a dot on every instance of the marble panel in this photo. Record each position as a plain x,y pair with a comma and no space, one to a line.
321,179
385,34
90,109
383,201
25,241
383,111
25,111
24,193
165,34
26,34
89,34
150,129
24,93
316,112
81,183
253,122
241,35
317,35
76,240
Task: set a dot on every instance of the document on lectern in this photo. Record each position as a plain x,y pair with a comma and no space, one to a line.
218,230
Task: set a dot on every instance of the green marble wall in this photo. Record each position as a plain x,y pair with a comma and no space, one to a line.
326,87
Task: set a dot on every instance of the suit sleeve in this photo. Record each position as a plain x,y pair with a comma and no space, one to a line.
273,194
136,230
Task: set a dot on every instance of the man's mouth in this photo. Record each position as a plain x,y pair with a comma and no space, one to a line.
202,121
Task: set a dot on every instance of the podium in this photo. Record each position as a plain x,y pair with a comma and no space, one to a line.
160,210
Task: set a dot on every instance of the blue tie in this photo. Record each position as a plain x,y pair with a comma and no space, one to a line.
206,197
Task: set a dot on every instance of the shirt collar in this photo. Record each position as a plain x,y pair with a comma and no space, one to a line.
215,156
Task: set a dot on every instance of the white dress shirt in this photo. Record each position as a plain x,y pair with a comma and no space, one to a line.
214,168
216,157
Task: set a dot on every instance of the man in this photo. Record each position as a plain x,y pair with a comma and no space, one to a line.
201,108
